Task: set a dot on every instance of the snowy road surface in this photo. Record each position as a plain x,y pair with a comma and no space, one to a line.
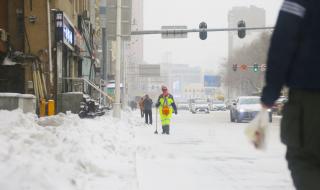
203,152
207,152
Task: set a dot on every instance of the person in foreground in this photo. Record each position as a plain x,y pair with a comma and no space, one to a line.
294,61
166,106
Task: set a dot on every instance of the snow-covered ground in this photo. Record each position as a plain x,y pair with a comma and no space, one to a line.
65,153
203,152
207,151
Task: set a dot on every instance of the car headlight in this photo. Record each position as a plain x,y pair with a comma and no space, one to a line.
269,110
241,110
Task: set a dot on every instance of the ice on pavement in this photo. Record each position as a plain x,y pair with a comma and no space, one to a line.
67,153
64,152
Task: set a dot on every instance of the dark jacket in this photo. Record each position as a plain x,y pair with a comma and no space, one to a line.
147,104
294,54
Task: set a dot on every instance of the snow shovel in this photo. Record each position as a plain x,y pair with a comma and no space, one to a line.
156,132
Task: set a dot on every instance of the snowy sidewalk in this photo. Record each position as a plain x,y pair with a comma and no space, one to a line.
66,153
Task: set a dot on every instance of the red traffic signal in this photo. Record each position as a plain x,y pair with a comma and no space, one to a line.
243,67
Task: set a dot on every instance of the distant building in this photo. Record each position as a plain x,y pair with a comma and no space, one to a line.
134,50
192,91
182,75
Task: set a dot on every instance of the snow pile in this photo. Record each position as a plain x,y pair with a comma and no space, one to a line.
64,152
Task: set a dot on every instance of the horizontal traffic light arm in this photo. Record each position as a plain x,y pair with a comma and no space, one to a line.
248,66
180,31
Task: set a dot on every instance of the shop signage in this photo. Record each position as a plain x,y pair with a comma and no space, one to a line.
64,30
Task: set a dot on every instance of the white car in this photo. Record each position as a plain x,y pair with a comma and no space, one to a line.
200,106
245,108
217,105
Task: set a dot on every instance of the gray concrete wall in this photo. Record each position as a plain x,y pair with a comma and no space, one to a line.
12,101
71,102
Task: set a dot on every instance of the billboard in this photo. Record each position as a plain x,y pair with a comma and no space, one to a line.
212,81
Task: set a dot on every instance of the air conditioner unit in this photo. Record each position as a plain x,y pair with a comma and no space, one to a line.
3,35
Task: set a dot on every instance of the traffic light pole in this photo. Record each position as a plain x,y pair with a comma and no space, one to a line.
180,31
117,104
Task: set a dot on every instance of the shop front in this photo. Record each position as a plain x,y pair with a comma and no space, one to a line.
67,61
67,64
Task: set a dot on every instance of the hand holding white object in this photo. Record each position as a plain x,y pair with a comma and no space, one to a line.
256,130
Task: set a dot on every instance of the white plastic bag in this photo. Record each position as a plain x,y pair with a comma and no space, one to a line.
256,130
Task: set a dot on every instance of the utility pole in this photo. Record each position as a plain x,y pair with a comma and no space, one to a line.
117,105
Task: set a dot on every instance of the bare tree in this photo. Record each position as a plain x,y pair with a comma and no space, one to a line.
246,82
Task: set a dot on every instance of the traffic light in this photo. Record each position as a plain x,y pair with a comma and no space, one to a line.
203,34
241,32
255,68
234,67
243,67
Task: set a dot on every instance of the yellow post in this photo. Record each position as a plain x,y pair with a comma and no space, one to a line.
42,111
51,109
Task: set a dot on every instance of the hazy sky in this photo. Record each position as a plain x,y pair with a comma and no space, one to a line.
193,51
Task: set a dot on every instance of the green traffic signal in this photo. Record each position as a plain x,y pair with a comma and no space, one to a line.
255,68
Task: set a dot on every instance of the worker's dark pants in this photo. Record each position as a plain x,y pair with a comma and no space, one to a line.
148,116
300,131
165,129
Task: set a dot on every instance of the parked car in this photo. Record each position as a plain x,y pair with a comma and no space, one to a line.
200,106
246,108
183,105
217,105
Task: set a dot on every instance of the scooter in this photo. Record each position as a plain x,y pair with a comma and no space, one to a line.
90,109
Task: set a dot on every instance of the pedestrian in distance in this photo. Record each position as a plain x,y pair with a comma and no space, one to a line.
166,106
141,106
132,105
294,61
148,109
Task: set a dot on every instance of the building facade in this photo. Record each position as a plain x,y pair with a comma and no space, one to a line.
48,44
181,76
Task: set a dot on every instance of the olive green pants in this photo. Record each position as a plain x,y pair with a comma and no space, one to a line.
300,131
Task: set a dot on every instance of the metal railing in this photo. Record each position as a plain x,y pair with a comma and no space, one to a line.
81,87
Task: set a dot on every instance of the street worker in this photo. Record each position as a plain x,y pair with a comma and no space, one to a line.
294,61
166,106
148,109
